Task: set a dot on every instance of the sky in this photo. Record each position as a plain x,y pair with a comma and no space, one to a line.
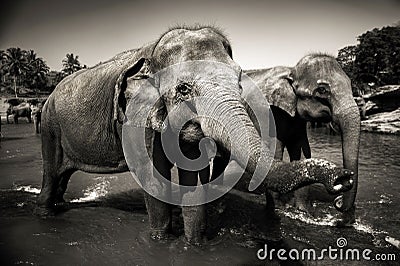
262,33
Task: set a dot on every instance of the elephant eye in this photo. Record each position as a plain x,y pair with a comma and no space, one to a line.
183,88
322,90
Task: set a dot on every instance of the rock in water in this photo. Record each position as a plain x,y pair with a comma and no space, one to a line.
383,110
387,122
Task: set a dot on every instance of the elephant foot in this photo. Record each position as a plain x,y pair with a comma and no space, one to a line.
45,211
194,221
196,241
60,200
50,210
49,207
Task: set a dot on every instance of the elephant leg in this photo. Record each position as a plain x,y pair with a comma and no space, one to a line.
269,195
35,125
204,175
29,118
159,211
15,119
301,200
159,217
39,126
194,218
219,165
62,187
306,150
270,206
54,169
294,152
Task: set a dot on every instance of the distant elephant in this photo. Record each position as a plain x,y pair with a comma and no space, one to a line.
83,118
21,110
37,117
316,89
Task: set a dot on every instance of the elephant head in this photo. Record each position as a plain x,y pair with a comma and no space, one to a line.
319,90
218,83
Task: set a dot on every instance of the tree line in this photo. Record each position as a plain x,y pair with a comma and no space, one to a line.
24,70
374,61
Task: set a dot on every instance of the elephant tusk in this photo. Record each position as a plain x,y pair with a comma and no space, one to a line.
338,187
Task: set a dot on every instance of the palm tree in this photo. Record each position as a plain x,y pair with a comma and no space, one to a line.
38,70
2,67
31,56
16,65
71,64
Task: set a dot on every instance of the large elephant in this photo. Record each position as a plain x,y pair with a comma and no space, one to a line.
83,120
316,89
21,110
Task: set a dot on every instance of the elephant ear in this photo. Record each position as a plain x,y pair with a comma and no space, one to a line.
278,89
137,99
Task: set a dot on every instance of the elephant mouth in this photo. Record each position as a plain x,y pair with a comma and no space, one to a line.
191,132
319,115
326,113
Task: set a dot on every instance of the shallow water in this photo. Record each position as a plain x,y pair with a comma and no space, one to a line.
106,222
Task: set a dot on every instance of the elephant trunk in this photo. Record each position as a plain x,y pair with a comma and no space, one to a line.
239,135
228,123
348,119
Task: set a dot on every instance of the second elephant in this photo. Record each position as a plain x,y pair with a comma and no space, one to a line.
316,89
21,110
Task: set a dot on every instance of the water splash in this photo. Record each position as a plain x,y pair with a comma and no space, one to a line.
383,199
328,220
96,191
366,228
29,189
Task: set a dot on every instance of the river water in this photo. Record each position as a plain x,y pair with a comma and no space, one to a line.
106,222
